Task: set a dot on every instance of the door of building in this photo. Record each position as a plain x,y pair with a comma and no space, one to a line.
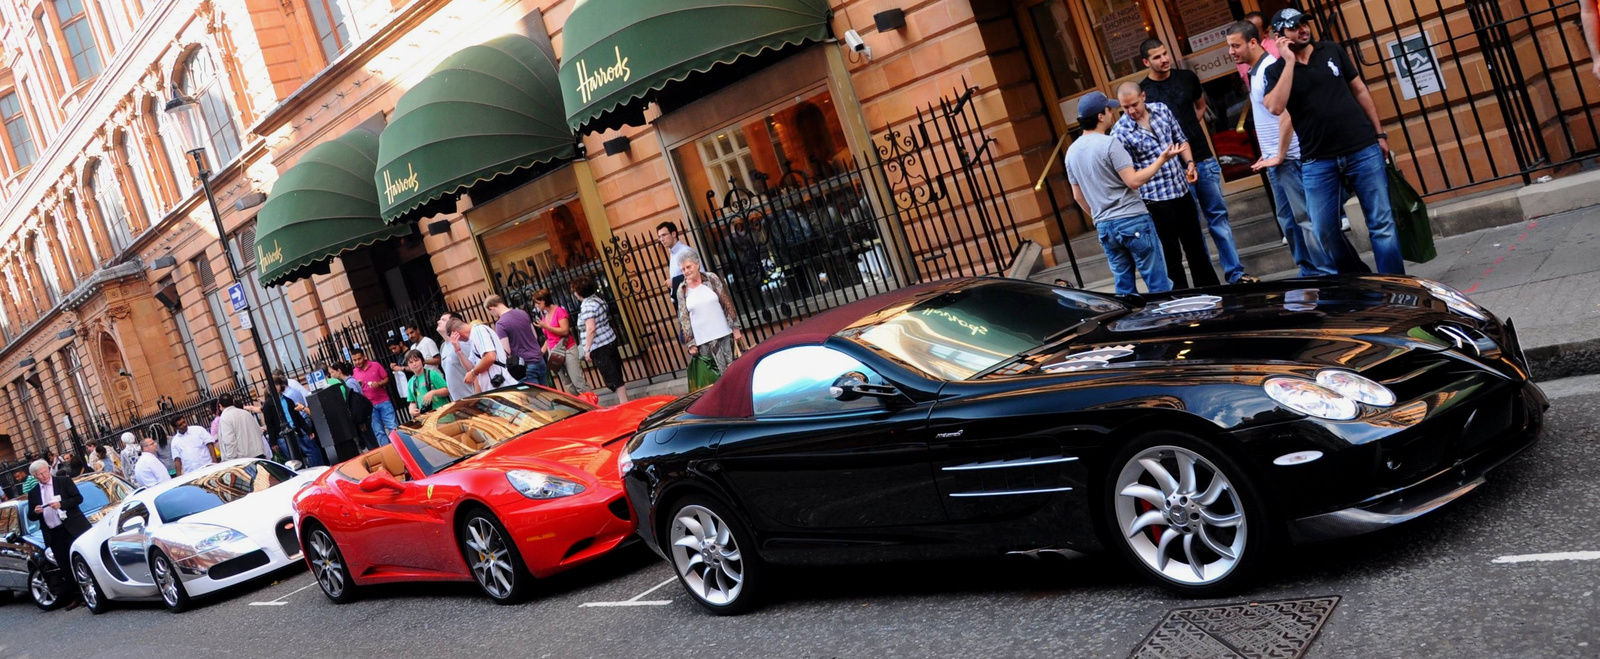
1080,46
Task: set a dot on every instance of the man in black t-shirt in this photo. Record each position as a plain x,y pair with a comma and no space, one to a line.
1180,91
1341,140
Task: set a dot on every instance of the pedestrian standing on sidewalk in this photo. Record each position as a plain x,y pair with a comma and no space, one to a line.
479,349
1341,140
522,357
1589,16
297,431
147,468
54,505
667,233
359,408
130,454
1146,130
561,345
706,317
374,381
1280,155
453,362
191,446
1180,90
428,388
598,340
1105,183
239,434
424,344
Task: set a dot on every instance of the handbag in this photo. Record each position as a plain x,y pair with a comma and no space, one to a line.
702,372
1410,219
555,358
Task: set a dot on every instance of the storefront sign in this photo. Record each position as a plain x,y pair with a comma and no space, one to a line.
1211,63
1415,66
268,259
394,187
1206,40
591,81
1123,31
1201,17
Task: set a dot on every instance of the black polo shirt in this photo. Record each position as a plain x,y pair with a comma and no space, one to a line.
1327,118
1179,92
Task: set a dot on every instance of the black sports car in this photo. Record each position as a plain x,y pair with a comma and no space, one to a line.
1189,431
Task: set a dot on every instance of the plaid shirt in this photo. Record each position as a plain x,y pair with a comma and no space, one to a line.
1145,146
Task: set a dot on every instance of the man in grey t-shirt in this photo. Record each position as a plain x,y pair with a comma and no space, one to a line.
1106,185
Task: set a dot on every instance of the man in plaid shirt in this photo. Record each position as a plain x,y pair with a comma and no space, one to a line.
1147,129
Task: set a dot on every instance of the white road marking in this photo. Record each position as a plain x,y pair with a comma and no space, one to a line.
279,601
638,600
1558,556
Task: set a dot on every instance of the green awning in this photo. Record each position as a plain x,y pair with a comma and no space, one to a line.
615,52
322,207
485,111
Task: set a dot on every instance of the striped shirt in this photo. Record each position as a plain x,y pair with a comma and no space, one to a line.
595,308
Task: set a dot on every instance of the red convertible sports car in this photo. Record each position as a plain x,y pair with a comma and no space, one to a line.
499,488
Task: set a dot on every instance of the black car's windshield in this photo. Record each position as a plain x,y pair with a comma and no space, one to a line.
470,426
959,333
218,487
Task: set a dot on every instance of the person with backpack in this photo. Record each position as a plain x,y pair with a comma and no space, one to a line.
522,356
428,388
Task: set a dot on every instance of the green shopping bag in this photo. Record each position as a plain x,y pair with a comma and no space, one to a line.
1410,219
702,372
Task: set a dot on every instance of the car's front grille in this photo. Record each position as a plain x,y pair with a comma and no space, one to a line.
287,538
1419,459
237,566
1492,419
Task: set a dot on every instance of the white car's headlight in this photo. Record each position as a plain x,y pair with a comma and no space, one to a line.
1356,388
1456,300
536,485
1307,397
185,540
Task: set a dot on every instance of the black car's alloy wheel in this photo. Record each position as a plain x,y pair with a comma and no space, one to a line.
493,558
708,552
1186,514
39,586
328,566
93,597
169,583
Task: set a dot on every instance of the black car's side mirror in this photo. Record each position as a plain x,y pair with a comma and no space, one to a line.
853,386
13,538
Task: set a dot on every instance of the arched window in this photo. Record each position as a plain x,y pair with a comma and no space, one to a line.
197,79
135,165
18,135
45,266
108,200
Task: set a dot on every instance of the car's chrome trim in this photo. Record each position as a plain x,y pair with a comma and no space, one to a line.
1002,464
1356,521
1002,493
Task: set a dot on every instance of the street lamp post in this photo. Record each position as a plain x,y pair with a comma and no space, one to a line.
185,112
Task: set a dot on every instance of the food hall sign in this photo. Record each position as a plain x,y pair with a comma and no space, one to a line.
590,81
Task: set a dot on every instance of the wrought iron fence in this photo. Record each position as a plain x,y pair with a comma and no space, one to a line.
1458,72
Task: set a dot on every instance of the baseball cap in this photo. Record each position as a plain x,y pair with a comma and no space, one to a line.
1288,18
1093,103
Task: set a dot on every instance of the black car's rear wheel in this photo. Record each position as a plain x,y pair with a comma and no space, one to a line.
1188,516
713,556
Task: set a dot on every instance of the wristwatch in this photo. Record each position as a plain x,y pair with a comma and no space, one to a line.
1383,136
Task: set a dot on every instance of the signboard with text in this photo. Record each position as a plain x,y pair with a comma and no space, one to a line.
1123,31
1415,66
236,296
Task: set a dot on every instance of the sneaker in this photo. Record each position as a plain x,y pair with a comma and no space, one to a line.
1344,223
1283,241
1247,279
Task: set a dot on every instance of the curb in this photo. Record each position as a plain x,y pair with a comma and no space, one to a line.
1564,360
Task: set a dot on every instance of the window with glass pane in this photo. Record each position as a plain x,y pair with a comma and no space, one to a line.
1119,27
333,25
80,385
17,131
270,306
75,29
47,270
189,350
230,343
108,196
199,81
803,137
535,247
1063,50
141,184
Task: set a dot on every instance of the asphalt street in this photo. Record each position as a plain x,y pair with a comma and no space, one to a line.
1448,585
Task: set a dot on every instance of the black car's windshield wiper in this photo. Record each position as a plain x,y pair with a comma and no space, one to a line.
1048,343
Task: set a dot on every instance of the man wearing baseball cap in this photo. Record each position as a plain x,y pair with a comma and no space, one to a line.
1106,184
1341,139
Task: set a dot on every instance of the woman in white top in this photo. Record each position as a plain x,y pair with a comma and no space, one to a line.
706,318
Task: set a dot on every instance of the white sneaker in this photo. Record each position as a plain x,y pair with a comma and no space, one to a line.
1344,223
1283,241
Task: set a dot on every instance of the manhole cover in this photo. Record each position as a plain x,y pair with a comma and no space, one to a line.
1282,629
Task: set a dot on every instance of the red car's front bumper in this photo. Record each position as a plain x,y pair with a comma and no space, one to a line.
553,536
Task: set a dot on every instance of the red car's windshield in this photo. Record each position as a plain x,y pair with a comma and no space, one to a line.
470,426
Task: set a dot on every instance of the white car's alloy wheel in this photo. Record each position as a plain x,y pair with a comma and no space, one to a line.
85,578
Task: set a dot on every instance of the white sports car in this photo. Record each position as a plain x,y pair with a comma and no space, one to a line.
193,535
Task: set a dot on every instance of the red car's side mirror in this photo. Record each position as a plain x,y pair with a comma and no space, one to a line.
590,398
380,480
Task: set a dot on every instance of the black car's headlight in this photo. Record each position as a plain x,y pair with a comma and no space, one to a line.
1335,395
537,485
1456,300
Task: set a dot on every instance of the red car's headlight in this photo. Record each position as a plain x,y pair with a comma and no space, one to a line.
537,485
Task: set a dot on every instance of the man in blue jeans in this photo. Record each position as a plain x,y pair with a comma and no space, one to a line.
373,380
1180,90
1106,184
1341,140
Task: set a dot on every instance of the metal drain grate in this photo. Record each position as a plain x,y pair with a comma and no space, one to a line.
1276,630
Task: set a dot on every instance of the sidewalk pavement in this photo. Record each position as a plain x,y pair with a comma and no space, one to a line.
1543,274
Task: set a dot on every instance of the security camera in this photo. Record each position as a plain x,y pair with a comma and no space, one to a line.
853,39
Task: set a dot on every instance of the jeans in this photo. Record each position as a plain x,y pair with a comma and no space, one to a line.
311,449
1129,242
1290,195
1365,174
383,421
537,374
1208,196
1178,226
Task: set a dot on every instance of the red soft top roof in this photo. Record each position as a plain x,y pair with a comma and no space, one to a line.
730,396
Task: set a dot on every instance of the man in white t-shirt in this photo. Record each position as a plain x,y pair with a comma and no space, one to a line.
481,347
191,447
149,471
421,343
667,233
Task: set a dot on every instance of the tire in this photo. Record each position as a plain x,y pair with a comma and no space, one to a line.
492,557
43,594
94,597
1200,535
705,543
168,583
328,566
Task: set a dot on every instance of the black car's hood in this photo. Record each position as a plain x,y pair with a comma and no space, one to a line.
1352,322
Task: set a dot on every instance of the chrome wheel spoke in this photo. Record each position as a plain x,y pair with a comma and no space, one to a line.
1185,473
693,526
1150,518
1188,554
1164,479
1230,520
1146,493
1213,545
1161,550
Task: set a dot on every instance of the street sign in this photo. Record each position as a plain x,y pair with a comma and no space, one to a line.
244,320
236,295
